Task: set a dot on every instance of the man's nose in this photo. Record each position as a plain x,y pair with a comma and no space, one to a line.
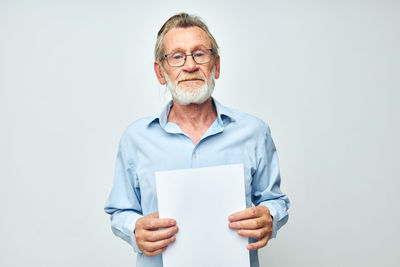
190,64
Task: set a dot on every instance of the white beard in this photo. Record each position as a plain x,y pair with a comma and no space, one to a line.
195,96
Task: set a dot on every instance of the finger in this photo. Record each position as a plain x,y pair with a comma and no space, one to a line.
259,244
154,253
256,223
248,213
160,234
154,223
154,246
153,215
259,234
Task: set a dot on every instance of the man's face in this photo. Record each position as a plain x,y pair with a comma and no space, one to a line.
191,76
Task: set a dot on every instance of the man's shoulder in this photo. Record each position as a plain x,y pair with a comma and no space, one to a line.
244,119
138,127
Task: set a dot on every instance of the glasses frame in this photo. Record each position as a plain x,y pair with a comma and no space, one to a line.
186,55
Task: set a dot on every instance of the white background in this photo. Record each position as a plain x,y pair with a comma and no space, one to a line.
325,75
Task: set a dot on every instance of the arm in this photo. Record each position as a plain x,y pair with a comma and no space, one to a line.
127,222
266,183
123,203
270,213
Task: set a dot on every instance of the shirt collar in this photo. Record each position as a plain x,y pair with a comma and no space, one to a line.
224,114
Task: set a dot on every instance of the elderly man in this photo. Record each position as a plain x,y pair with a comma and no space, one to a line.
193,130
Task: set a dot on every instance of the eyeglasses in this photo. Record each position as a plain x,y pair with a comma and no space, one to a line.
178,59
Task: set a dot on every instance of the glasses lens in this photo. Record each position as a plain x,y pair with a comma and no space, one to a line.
176,59
202,56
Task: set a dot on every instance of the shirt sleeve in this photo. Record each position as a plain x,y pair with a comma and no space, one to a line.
266,182
123,204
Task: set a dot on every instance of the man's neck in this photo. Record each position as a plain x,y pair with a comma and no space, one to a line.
193,119
192,114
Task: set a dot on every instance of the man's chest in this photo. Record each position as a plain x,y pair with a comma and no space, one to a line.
180,153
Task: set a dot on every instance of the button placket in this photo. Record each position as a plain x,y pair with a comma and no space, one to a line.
195,158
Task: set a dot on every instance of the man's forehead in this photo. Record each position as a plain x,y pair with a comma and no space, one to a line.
186,38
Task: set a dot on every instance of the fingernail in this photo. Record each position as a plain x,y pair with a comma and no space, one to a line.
231,217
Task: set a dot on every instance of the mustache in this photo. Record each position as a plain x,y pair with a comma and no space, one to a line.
191,76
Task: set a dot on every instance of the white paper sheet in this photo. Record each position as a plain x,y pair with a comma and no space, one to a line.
200,200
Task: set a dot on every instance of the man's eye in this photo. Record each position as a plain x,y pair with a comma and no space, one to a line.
177,56
198,54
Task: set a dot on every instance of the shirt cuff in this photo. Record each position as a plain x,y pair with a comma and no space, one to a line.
132,232
123,226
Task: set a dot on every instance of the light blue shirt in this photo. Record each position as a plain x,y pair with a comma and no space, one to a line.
153,144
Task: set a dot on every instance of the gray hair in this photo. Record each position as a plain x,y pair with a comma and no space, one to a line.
181,20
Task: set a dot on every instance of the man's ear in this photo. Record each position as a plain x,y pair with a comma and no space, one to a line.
217,67
159,73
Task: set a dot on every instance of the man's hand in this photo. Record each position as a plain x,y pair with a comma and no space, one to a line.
253,222
151,240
